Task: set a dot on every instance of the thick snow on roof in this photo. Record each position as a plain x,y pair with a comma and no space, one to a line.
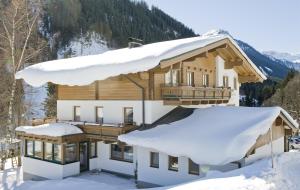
215,135
86,69
52,129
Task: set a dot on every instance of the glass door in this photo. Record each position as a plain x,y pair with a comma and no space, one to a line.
84,158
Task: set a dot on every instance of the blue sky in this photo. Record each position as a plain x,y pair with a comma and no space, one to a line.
264,24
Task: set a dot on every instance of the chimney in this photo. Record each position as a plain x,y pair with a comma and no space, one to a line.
134,42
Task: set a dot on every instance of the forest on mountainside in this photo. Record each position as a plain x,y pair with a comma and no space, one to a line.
115,20
287,95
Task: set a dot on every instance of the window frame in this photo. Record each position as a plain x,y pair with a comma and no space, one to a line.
26,148
190,78
190,168
65,153
96,152
205,80
170,165
124,115
225,81
235,85
122,153
152,165
170,75
74,113
42,150
96,115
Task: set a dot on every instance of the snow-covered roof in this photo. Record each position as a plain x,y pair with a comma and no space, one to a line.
85,70
215,135
52,129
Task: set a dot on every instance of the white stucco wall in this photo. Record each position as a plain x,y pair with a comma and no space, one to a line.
265,151
161,175
105,163
164,176
49,170
231,73
94,163
112,110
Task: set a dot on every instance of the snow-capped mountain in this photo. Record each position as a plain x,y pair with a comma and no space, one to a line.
283,56
270,66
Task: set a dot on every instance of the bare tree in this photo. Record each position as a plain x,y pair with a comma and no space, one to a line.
20,43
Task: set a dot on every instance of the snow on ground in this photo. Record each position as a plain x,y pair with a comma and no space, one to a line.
258,176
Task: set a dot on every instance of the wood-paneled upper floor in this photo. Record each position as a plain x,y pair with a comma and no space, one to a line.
194,75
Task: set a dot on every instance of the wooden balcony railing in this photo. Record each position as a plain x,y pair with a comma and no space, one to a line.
107,132
189,93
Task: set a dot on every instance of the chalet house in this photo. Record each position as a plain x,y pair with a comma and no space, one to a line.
164,113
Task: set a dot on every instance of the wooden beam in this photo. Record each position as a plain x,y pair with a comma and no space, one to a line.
167,62
244,79
233,63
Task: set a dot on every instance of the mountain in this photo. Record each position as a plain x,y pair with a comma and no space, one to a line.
271,67
295,58
113,21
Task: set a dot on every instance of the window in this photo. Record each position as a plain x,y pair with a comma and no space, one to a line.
193,168
48,151
99,115
168,78
29,148
57,152
128,153
235,84
173,163
154,159
205,80
121,153
175,77
172,78
190,78
128,115
38,149
76,113
93,149
70,154
225,81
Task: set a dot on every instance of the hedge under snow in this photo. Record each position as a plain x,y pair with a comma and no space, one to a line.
85,70
52,129
215,135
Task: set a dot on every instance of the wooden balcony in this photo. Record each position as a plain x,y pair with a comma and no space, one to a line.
93,131
188,95
105,132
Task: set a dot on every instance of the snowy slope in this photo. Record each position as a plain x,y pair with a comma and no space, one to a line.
290,60
283,56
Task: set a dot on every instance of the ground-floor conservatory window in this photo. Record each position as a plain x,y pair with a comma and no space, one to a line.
70,153
48,151
29,148
38,149
122,153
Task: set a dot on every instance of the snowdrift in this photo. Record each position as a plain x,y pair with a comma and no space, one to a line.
85,70
214,136
52,129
